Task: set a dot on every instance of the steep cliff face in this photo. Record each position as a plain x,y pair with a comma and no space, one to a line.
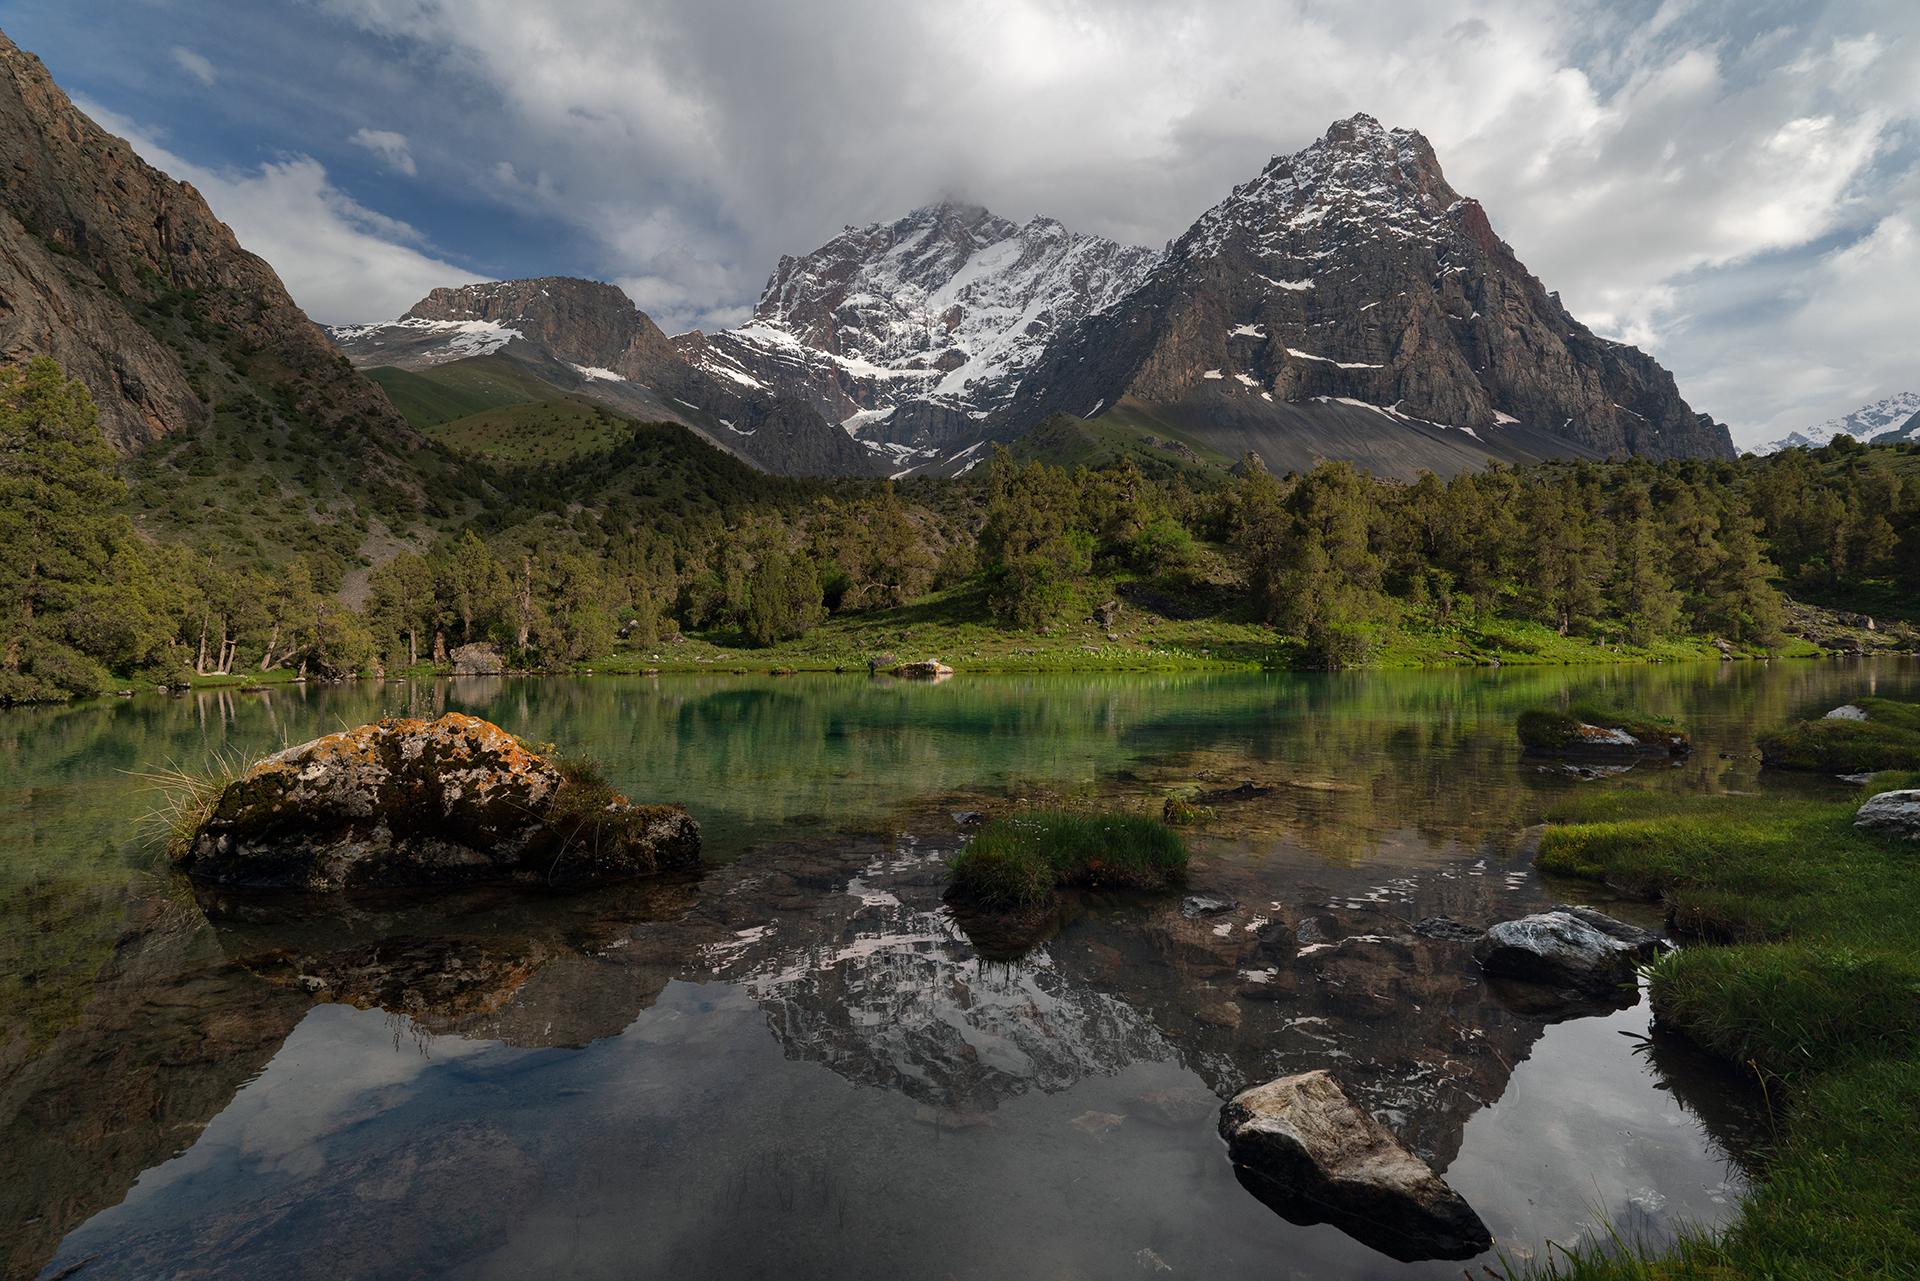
588,337
909,332
128,280
1352,272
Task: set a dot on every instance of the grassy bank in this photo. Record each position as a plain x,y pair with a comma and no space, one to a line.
1018,862
1808,976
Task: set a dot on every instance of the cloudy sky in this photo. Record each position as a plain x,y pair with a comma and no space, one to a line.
1731,186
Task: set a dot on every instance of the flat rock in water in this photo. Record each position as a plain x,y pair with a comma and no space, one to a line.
1194,905
1561,950
1309,1154
1891,814
410,802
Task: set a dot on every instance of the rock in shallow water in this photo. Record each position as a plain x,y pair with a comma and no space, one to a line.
1891,814
411,802
1307,1152
1567,948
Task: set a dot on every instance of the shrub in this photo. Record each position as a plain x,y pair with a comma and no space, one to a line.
1015,863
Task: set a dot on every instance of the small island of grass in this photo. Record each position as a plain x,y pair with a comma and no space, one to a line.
1589,727
1867,734
1017,863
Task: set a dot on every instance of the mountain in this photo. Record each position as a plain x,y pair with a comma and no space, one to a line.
127,279
907,333
587,337
1895,418
1348,303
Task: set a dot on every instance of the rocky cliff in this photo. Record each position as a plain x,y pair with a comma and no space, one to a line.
127,279
909,332
588,337
1352,273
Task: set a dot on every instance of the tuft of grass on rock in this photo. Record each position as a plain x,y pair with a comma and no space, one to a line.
1888,739
184,800
1182,813
1017,863
1551,729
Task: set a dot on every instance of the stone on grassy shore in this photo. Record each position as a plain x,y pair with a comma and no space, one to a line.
1308,1153
1891,814
410,802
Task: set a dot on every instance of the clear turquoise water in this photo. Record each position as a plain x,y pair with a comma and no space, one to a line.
796,1063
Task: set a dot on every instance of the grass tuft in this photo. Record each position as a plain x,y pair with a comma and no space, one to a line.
183,799
1016,863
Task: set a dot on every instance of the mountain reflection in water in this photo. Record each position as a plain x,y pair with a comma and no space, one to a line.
582,1084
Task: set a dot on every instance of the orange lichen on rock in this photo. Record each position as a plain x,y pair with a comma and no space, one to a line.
413,802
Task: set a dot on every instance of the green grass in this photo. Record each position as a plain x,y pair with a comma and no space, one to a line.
1815,989
1018,862
430,397
548,431
1888,739
1554,729
1066,441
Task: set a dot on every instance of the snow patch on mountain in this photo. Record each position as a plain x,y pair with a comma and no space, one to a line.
1889,418
463,338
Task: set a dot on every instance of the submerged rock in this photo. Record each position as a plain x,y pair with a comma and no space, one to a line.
1447,930
1564,948
410,802
1308,1153
1891,814
1195,905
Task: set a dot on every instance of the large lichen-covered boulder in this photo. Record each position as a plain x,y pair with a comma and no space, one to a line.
410,802
1311,1155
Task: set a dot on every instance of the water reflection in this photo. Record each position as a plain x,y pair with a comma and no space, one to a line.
1377,800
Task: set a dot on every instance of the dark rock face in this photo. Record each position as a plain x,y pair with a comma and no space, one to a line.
1561,950
1303,1148
409,802
95,230
587,337
923,325
1352,272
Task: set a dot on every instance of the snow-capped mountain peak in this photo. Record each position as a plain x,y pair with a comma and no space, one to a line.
1892,417
908,332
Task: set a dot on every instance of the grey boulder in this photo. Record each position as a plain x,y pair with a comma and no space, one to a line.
1891,814
1302,1147
1567,948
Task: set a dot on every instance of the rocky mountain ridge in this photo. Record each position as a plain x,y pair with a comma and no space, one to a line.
587,336
907,333
1351,276
127,279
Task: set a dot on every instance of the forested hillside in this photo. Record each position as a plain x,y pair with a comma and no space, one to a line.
662,534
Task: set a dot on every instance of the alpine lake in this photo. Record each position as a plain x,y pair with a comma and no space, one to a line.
797,1062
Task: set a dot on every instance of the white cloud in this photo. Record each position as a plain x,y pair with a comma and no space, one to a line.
194,65
340,261
390,147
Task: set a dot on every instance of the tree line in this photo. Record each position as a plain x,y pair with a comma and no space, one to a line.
1628,552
